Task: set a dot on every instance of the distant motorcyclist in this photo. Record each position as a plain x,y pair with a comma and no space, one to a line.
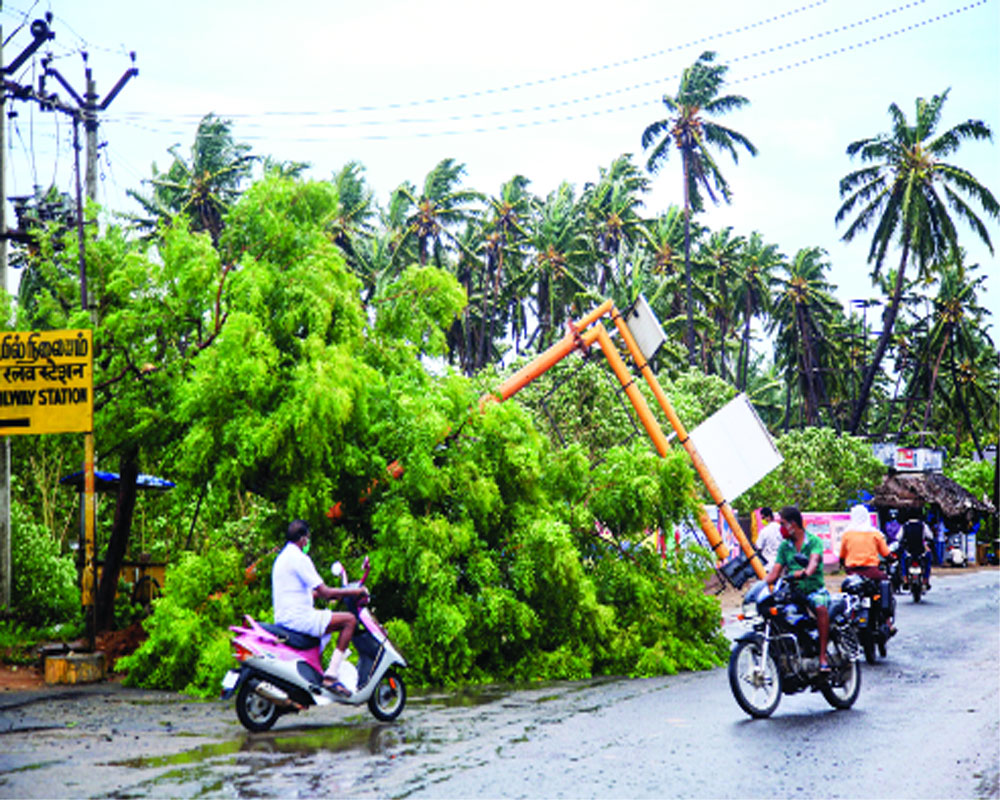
807,580
916,541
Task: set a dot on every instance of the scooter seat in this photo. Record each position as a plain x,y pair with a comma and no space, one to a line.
294,639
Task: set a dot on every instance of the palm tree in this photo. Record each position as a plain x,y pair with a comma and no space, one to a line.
612,207
905,193
560,272
953,326
355,211
204,187
504,231
691,132
720,256
752,295
804,303
440,207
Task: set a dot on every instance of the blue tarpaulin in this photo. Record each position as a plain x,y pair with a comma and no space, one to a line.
110,481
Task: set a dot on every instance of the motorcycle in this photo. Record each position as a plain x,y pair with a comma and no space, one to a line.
893,567
780,655
280,671
872,613
913,576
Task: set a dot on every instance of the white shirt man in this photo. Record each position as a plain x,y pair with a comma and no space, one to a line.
294,584
769,537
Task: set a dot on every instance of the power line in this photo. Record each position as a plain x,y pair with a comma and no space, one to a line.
130,120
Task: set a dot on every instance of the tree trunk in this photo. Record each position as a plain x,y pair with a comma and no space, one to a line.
888,323
962,403
129,471
687,258
930,391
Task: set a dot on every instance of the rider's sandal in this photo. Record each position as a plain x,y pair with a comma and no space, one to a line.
824,669
336,687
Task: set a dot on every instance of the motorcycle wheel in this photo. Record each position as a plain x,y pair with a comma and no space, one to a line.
755,685
869,647
388,698
843,696
256,713
915,588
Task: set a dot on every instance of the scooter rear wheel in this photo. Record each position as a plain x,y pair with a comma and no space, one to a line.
388,698
256,713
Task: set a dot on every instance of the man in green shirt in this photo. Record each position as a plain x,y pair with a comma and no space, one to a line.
806,580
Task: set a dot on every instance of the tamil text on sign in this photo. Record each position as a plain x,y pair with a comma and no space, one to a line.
46,382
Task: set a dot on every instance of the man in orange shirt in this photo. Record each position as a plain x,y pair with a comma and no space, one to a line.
860,547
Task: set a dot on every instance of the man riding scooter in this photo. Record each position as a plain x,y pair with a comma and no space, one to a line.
294,584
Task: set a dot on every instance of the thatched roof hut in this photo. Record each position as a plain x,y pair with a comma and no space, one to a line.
913,490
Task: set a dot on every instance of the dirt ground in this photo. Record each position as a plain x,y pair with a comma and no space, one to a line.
114,644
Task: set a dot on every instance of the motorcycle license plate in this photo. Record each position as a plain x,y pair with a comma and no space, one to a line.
230,680
914,570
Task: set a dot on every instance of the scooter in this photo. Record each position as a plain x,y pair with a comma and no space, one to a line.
280,670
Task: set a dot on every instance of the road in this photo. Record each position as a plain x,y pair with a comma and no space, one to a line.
927,725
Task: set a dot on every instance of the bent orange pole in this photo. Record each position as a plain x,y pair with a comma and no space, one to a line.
685,440
544,362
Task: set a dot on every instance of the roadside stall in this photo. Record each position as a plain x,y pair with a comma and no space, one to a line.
917,494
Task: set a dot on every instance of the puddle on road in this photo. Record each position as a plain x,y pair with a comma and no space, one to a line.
375,740
461,698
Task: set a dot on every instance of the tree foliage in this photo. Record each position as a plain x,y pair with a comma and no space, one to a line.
821,471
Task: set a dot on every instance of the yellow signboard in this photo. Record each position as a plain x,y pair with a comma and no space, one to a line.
46,382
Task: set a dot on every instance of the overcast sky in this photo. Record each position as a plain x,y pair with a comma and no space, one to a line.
550,90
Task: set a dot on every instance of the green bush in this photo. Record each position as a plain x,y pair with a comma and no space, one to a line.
187,649
44,586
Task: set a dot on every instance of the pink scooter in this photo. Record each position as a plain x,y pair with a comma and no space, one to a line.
280,670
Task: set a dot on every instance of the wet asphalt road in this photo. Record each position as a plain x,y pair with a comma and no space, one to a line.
926,725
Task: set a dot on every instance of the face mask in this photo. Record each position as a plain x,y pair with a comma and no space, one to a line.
306,548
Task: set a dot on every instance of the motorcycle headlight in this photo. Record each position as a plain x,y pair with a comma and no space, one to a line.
749,610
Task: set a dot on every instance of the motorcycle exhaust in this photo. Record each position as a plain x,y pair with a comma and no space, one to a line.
271,692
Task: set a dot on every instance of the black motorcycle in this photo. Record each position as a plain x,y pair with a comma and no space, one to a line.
780,655
872,614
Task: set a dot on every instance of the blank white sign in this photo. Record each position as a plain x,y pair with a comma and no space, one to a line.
736,447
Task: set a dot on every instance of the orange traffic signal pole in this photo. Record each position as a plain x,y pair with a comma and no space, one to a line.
579,337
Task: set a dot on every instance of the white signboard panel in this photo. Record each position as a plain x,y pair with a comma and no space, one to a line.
736,447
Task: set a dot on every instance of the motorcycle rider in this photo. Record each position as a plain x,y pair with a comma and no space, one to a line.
294,584
807,580
916,540
860,547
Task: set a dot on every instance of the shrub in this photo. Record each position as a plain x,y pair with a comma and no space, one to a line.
187,649
43,583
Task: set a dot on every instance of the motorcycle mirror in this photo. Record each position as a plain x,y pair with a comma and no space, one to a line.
337,569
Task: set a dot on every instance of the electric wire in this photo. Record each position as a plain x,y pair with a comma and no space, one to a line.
129,119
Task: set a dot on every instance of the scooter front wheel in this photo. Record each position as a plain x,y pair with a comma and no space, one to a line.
388,698
256,713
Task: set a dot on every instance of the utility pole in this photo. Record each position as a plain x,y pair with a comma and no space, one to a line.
40,34
5,562
85,110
